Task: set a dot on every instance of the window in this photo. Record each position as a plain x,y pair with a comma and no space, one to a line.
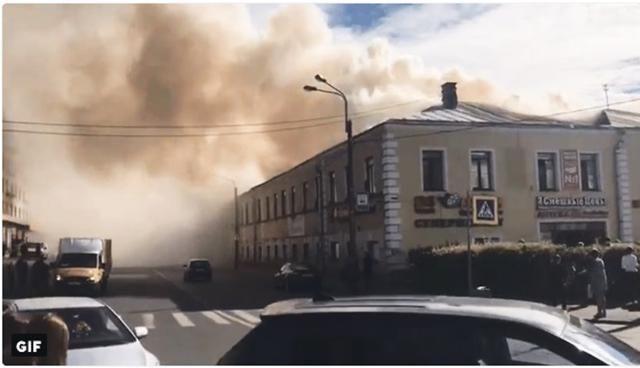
305,251
531,354
589,172
547,178
259,210
275,206
346,183
333,195
268,252
293,200
481,170
294,252
317,189
432,170
369,176
275,251
284,252
259,253
305,191
267,207
283,207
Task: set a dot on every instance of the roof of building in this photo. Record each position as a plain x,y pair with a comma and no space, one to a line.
30,304
621,119
471,112
550,319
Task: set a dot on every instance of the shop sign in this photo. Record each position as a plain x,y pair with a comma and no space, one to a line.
450,200
424,204
573,213
442,223
570,177
569,202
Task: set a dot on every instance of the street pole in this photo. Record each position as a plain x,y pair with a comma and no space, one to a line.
323,252
469,276
350,186
237,227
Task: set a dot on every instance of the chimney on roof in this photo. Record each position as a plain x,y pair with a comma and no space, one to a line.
449,95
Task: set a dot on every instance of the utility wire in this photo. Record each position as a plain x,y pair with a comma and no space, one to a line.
266,131
204,126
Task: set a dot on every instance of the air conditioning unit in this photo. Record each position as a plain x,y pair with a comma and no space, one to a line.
362,202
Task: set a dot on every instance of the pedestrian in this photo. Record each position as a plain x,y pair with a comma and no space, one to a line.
367,269
629,276
598,282
21,277
40,277
555,279
57,338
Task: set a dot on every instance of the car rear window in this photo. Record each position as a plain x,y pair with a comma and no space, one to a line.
200,264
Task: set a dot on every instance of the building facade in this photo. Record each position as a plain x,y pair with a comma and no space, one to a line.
557,181
15,223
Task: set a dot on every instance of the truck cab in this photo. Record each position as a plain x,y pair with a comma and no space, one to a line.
83,263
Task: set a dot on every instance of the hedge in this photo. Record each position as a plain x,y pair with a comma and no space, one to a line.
510,270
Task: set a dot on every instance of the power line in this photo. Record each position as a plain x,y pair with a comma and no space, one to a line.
204,126
266,131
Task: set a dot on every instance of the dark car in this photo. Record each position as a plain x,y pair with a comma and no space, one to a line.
197,270
410,330
293,276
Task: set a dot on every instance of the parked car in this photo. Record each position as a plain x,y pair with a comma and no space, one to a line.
292,276
197,269
97,335
34,250
410,330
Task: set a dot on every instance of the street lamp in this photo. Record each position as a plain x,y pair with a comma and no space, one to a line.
236,236
351,247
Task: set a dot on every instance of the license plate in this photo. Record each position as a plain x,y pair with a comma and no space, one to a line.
74,283
32,249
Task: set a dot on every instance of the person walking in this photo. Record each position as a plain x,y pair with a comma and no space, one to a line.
598,282
630,280
556,279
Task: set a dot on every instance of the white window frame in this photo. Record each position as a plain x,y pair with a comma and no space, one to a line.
598,168
494,184
445,169
558,171
372,181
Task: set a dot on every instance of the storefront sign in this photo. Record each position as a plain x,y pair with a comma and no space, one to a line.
422,204
450,200
569,202
572,213
296,225
440,223
570,177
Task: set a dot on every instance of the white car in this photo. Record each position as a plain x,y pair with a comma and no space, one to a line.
97,335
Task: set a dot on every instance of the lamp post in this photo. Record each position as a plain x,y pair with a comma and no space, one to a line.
236,237
351,246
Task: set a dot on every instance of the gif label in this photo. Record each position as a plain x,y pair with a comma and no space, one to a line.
29,345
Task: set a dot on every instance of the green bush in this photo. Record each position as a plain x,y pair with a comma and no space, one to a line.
510,270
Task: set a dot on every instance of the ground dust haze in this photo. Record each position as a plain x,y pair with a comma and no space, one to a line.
177,66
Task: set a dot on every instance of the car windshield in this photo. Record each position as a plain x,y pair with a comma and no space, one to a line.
300,268
68,260
91,327
200,264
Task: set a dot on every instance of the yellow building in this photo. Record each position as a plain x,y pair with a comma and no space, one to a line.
558,181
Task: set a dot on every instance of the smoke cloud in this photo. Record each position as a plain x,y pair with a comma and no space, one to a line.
175,66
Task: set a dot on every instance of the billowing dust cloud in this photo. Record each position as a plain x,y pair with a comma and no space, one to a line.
172,66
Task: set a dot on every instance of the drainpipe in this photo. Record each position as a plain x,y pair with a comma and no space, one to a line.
623,185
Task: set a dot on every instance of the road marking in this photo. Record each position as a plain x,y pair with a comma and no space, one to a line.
216,318
182,319
234,319
247,316
147,319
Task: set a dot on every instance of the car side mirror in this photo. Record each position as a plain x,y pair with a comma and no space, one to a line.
141,331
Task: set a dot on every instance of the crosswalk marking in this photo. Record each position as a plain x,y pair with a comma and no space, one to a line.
215,318
182,319
234,319
247,316
147,320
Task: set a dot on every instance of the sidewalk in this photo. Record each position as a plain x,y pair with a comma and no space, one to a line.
622,323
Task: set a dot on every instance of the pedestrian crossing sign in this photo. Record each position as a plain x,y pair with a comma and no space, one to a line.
485,210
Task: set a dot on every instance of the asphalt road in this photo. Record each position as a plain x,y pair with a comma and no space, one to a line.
193,323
